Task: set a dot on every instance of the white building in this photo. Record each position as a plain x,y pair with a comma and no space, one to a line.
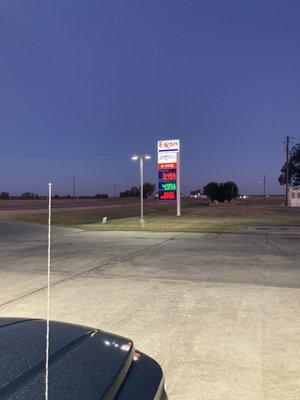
294,196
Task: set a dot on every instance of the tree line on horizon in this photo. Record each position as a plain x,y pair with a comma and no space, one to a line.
215,191
35,196
148,191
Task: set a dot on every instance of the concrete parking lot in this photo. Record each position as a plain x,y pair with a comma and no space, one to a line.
220,312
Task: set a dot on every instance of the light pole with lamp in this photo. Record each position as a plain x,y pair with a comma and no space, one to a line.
141,158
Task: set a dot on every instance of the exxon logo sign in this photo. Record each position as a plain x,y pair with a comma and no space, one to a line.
168,145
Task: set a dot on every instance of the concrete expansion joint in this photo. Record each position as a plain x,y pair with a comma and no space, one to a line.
271,243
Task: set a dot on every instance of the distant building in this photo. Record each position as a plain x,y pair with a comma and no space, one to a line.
294,196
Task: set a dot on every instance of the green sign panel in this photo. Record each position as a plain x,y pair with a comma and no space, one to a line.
167,186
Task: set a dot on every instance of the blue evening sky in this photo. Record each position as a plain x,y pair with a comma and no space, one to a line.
85,84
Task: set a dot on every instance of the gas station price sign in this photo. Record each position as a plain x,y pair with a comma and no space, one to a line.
167,186
169,196
167,174
168,170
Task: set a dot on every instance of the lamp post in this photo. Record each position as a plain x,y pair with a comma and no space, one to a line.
141,159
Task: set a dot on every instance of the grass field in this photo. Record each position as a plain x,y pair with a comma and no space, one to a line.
197,215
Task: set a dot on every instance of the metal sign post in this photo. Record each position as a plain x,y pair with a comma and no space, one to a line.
168,165
178,186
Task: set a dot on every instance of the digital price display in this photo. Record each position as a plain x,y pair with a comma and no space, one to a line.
167,186
167,175
167,195
166,165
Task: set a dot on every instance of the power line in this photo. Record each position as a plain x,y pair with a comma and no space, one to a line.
38,155
229,146
17,165
31,171
273,166
265,173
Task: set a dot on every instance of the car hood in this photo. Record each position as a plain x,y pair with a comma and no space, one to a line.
84,363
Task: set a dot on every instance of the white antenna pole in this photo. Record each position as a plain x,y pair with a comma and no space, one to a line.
48,293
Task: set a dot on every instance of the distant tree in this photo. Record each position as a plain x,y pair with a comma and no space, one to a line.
101,196
29,195
127,193
229,190
4,195
134,191
148,189
212,190
294,167
56,196
221,191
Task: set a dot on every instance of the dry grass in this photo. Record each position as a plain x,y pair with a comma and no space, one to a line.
197,215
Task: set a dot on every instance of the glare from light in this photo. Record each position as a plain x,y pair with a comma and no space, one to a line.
147,156
126,347
134,158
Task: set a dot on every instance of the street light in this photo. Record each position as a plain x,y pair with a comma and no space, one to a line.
141,158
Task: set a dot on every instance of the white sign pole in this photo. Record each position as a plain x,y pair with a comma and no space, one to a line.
48,293
178,195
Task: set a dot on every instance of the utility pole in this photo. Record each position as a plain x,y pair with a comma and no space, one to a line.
264,185
287,172
74,188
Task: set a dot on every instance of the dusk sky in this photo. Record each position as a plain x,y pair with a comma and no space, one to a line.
86,84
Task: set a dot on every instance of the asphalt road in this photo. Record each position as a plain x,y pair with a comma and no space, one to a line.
219,312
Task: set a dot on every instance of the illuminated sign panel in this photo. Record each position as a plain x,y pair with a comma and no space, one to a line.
167,175
168,145
167,186
167,195
167,166
167,157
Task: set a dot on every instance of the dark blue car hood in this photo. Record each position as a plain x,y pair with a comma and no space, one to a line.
84,363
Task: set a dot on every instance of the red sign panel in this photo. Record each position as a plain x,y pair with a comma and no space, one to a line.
167,195
167,166
167,174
